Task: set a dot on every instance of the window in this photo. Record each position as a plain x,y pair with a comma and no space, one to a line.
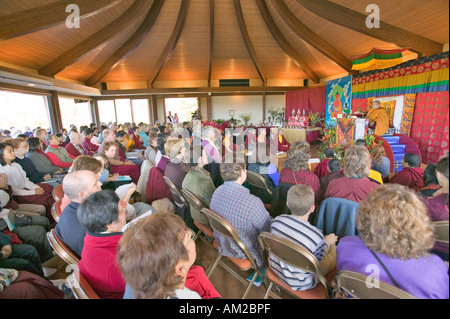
77,113
140,111
123,110
19,110
183,107
107,111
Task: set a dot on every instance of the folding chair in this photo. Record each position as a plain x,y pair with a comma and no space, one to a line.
178,198
441,231
298,257
360,286
62,249
58,192
56,210
81,288
198,204
220,225
258,181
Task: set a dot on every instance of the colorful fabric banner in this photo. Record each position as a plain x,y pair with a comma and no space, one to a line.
339,98
377,61
408,111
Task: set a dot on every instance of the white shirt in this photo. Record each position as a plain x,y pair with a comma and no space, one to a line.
18,180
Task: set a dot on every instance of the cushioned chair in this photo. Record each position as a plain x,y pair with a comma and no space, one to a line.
198,204
81,288
220,225
356,285
298,257
337,215
441,231
56,210
58,192
63,251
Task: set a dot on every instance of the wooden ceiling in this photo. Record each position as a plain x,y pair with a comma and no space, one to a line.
194,43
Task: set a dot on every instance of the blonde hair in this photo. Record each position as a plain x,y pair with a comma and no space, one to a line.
378,153
356,162
394,221
171,142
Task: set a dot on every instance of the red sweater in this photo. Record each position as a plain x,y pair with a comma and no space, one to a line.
355,189
98,265
409,176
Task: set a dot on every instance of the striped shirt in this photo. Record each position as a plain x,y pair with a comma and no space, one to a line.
246,213
306,235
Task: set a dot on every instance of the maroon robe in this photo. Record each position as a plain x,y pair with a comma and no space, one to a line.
355,189
322,168
411,177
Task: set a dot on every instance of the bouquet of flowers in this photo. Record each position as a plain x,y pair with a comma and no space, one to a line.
245,117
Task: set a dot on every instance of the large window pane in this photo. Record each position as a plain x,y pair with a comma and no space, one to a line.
123,109
21,110
140,111
183,107
106,111
74,113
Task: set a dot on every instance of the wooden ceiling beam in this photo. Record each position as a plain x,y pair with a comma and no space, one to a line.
211,39
309,36
172,43
80,50
356,21
247,40
46,16
130,45
284,43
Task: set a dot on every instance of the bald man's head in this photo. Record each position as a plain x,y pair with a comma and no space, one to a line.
79,185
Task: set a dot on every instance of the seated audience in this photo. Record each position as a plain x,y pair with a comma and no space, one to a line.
244,211
117,163
39,158
430,181
78,186
199,182
295,227
102,214
41,134
58,155
296,169
395,235
175,171
334,171
23,190
283,144
33,174
105,177
438,204
374,175
380,162
89,146
75,148
412,174
354,185
136,139
322,167
164,246
152,148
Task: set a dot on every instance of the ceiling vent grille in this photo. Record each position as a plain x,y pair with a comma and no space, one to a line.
234,82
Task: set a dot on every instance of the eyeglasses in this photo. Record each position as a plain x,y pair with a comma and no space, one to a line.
191,238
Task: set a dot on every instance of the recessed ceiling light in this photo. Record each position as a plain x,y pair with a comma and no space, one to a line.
31,84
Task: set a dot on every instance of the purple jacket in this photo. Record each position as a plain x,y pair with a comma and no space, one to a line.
425,277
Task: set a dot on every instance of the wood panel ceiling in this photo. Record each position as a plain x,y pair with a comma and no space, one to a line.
154,43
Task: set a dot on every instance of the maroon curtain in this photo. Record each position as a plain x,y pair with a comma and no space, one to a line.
429,127
310,100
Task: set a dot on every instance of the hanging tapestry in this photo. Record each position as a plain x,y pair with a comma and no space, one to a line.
345,131
429,128
408,111
339,98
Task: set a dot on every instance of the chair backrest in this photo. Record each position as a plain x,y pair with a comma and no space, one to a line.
292,254
441,231
220,225
81,288
56,210
361,286
62,249
58,192
337,215
193,200
279,199
176,194
258,181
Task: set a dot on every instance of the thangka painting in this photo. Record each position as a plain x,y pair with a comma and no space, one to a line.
339,98
408,110
345,131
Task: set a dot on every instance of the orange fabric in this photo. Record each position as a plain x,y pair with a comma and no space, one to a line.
381,118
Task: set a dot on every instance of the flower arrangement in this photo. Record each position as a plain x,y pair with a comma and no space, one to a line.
329,141
370,142
315,119
245,117
275,115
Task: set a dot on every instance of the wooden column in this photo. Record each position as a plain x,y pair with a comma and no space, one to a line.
95,115
208,108
264,106
54,112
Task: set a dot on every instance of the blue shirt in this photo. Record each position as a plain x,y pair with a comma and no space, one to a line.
247,214
69,228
